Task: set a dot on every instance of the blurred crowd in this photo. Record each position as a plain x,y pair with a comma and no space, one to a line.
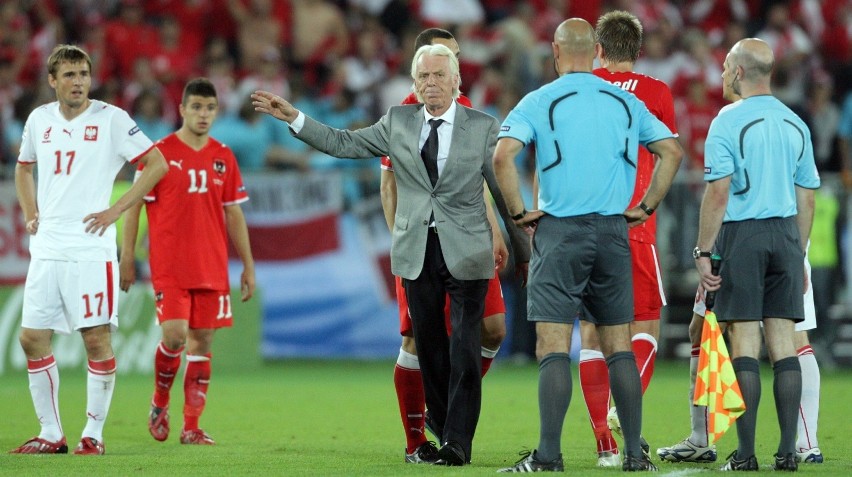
347,61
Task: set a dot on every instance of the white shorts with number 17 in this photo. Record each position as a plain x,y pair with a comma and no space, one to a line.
65,296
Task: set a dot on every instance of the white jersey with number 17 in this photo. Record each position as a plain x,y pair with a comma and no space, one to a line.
76,163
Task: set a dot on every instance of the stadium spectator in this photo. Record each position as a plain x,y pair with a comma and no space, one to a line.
147,111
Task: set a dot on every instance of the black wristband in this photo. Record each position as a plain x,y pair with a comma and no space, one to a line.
520,216
646,209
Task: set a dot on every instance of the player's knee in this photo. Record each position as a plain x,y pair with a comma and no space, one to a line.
695,329
493,331
33,344
408,345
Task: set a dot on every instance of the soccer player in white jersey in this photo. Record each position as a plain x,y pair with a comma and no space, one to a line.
79,145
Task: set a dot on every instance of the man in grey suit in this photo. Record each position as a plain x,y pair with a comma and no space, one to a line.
442,241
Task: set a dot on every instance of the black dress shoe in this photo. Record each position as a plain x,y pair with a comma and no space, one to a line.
451,453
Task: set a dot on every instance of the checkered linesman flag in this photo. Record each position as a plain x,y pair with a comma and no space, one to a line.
716,385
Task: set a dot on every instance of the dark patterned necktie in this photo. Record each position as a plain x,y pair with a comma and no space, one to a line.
429,153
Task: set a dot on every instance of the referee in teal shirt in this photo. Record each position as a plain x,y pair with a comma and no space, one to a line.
587,132
757,211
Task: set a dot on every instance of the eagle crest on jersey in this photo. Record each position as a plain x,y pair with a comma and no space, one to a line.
219,166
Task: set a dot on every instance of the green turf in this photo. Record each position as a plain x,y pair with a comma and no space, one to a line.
341,418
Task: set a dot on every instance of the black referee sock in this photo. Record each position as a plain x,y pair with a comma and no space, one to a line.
627,393
554,396
748,377
787,388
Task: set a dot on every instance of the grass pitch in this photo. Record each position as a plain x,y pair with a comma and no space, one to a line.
342,418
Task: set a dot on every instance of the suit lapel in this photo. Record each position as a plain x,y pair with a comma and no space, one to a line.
415,125
460,125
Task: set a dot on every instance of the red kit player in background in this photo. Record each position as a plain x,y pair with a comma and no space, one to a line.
78,145
191,214
407,378
619,36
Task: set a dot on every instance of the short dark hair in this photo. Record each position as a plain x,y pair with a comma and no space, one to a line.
427,36
620,35
199,87
69,53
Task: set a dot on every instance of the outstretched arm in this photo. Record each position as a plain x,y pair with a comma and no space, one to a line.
274,105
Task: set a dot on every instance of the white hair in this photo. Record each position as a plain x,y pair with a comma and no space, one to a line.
436,50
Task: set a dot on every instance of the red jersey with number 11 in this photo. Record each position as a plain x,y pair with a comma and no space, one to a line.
187,233
658,99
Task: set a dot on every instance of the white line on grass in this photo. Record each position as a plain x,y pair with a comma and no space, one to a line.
683,472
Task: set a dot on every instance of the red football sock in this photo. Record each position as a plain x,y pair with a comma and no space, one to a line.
594,381
412,400
166,365
645,350
195,383
488,358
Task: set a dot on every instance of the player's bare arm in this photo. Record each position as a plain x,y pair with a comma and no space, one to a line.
670,155
501,252
127,259
274,105
387,192
26,191
235,221
155,168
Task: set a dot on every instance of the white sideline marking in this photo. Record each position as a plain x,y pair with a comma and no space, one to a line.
682,472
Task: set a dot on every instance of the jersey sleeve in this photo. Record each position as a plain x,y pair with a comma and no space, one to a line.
807,175
131,142
27,153
651,129
666,108
235,190
718,152
517,124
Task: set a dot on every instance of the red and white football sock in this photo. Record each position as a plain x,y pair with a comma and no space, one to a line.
100,385
412,399
697,414
594,381
809,407
44,388
196,380
166,365
488,358
645,349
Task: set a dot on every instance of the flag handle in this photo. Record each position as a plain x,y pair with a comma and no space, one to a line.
715,263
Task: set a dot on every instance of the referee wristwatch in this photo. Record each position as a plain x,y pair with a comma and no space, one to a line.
698,253
520,216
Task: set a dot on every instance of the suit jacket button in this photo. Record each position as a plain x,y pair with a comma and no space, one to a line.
433,195
425,222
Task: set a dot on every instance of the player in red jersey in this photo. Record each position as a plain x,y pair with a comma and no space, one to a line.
191,214
619,36
407,378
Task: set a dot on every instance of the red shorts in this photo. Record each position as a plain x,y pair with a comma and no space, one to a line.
494,304
648,295
205,309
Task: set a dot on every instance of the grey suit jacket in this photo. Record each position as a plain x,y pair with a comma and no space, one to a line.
456,200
